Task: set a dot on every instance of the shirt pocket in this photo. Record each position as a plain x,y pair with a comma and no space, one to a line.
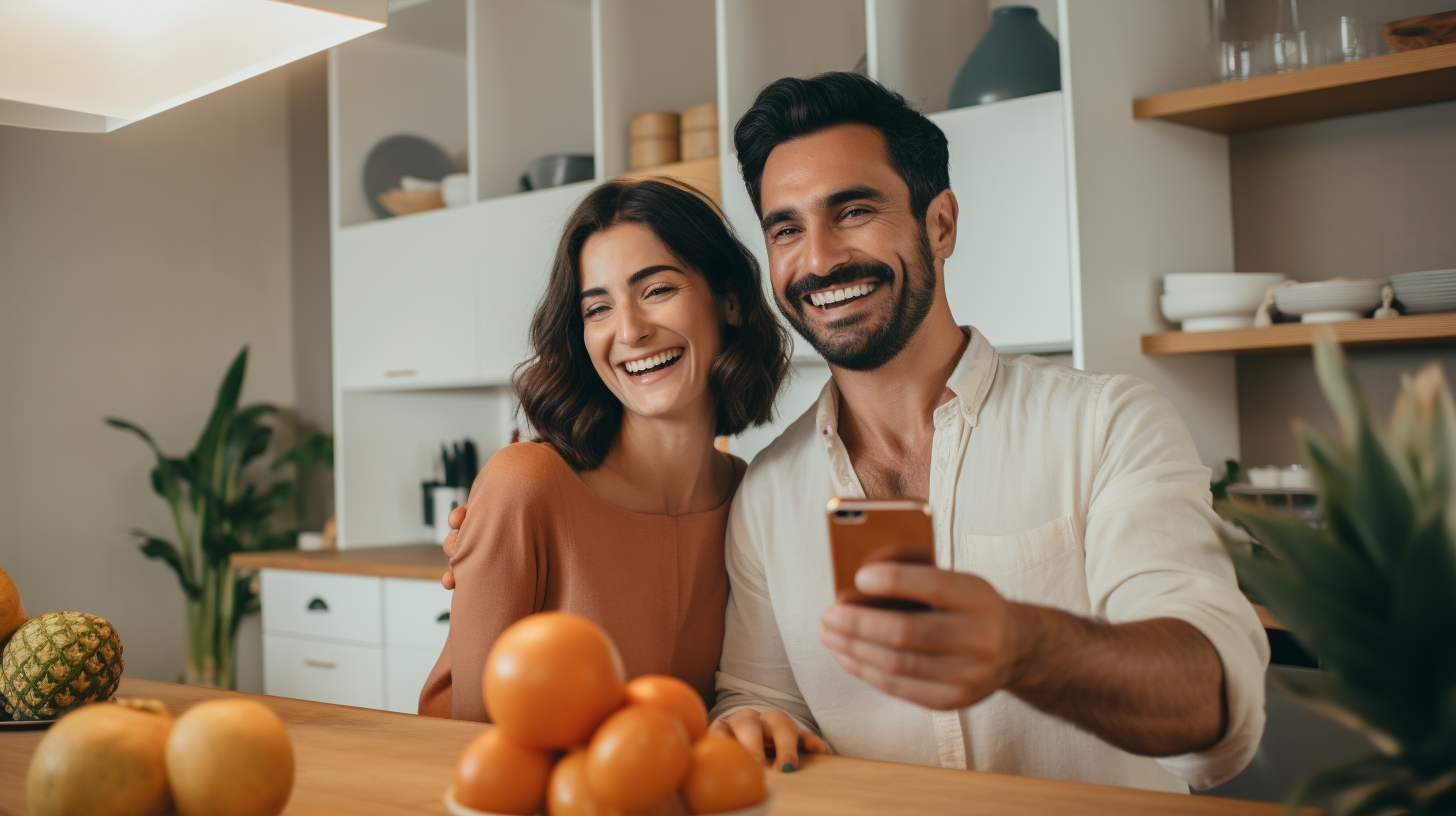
1044,565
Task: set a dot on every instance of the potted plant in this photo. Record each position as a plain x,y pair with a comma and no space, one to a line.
218,508
1373,594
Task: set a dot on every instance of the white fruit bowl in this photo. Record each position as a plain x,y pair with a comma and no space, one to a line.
1329,301
1242,282
1212,310
457,809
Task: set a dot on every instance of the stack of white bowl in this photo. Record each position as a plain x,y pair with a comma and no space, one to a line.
1214,301
1426,292
1329,301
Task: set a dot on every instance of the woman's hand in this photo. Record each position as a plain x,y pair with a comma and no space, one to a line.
452,541
770,730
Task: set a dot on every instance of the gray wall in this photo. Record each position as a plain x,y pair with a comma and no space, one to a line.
1362,197
133,266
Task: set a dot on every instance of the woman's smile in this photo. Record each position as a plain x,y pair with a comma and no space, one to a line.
652,363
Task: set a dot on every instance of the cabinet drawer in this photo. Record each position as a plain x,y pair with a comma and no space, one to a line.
416,614
337,673
323,605
405,672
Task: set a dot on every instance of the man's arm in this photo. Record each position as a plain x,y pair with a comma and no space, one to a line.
1151,687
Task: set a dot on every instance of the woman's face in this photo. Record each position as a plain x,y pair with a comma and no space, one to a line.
651,325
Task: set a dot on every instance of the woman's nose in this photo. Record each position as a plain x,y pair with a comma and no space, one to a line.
632,326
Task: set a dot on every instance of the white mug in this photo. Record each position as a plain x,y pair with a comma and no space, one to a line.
445,499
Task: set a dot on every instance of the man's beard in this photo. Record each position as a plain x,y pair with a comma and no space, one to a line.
845,349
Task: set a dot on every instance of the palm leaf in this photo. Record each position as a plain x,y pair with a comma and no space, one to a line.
166,552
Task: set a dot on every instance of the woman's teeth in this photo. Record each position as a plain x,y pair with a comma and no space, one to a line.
653,362
847,293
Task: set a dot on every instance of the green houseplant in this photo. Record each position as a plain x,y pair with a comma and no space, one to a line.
218,508
1374,593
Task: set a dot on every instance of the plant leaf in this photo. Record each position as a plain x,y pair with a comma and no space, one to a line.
318,449
1338,383
211,444
167,552
1318,560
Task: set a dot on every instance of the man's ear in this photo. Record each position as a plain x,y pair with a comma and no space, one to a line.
732,312
940,224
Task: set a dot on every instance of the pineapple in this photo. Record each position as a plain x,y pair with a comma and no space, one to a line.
58,662
1374,593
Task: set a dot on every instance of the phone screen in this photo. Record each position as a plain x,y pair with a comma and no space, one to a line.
867,531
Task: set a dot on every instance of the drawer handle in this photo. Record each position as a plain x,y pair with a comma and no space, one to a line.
444,618
318,605
320,664
400,372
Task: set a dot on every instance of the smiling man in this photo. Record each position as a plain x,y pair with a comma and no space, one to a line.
1085,621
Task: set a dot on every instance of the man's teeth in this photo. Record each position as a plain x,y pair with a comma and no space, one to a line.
823,298
635,366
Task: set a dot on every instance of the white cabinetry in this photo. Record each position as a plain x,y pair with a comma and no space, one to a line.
351,639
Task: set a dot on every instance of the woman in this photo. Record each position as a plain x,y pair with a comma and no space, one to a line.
653,338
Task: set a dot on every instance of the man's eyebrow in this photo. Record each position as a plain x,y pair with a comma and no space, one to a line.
835,199
636,278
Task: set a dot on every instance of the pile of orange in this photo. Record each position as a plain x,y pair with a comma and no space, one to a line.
573,738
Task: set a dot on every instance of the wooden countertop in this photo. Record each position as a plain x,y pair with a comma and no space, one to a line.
425,561
363,762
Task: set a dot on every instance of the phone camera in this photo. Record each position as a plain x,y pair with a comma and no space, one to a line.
848,514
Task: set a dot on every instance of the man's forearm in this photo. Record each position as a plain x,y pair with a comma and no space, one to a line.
1151,687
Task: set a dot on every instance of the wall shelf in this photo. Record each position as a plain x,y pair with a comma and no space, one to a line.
1439,328
700,173
1379,83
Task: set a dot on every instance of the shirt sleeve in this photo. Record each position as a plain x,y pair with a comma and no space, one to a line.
1153,551
500,572
754,671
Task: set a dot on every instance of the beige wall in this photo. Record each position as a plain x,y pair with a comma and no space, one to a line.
133,266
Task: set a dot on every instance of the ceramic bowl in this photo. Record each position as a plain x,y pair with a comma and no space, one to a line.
1221,282
1187,307
1331,300
457,809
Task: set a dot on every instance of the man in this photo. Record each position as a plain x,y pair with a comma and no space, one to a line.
1085,617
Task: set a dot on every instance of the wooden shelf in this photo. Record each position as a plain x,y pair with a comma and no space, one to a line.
1267,618
701,173
1440,328
1379,83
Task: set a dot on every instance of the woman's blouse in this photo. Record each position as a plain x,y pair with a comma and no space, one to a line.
537,539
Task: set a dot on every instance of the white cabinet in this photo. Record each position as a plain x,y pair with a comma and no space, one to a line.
351,639
403,302
1011,276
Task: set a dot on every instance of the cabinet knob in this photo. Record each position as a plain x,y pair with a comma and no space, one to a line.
444,618
400,372
320,664
318,605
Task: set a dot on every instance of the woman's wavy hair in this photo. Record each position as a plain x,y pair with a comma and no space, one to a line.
560,391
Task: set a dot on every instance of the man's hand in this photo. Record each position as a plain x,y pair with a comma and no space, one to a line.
1151,687
953,656
452,543
769,731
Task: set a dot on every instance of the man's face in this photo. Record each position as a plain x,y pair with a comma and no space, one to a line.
850,263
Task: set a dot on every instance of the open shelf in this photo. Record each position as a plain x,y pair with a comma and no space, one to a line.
1379,83
1439,328
700,173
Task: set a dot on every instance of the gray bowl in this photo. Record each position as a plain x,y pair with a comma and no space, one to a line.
558,169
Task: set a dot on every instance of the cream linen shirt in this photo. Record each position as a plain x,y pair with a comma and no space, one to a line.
1063,488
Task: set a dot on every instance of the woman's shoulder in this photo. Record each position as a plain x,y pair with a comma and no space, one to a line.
522,472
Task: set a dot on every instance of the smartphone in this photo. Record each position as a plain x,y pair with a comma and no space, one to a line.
866,531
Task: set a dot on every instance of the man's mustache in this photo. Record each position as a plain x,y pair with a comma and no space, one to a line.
850,273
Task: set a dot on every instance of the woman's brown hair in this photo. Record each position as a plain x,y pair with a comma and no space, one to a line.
559,389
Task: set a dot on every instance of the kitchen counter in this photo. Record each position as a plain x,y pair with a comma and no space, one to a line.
362,762
426,561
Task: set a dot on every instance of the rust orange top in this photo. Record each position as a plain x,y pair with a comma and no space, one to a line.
537,539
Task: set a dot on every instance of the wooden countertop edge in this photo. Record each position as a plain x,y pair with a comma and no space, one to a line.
417,561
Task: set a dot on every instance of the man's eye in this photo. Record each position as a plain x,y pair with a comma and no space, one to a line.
785,232
855,211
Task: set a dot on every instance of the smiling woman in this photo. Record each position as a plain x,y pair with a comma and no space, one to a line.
652,338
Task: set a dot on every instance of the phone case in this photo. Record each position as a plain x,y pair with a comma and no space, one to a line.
865,531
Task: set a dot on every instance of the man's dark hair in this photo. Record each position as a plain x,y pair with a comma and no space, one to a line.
790,108
560,391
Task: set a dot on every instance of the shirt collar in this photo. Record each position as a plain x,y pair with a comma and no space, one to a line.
970,382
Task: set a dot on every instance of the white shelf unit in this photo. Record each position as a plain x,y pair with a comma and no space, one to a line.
1071,210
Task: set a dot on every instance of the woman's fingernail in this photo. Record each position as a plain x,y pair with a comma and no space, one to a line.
788,767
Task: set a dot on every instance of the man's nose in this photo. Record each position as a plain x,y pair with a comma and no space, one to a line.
825,250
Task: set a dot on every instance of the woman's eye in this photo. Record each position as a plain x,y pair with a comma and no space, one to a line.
594,312
658,290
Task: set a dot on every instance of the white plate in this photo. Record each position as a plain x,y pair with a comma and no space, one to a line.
1219,282
458,809
1422,276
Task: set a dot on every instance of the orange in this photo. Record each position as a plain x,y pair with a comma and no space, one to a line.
568,794
499,776
102,759
551,679
723,777
673,696
638,757
229,758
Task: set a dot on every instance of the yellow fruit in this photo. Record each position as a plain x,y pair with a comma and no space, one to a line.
103,759
12,611
229,758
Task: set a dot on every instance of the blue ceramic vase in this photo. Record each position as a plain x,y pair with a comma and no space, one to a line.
1017,57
